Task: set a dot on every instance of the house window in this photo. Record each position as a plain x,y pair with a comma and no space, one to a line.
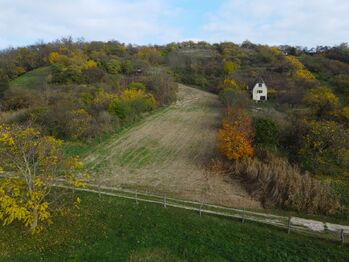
260,85
259,91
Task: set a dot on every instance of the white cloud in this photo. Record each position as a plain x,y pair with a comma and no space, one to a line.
137,21
296,22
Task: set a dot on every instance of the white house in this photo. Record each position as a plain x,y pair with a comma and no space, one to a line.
260,91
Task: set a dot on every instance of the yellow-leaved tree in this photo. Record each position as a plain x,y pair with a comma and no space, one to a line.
53,57
30,165
298,71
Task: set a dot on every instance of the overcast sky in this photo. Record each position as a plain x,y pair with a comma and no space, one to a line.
295,22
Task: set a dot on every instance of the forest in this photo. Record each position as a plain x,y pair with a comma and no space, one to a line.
290,152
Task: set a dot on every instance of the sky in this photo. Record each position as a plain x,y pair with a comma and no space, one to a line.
295,22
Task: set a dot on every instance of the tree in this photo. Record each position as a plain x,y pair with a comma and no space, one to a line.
322,101
267,132
90,64
229,67
53,57
4,84
113,66
323,147
235,136
31,164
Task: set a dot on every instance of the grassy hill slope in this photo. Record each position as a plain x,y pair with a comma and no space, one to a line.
112,229
32,79
168,153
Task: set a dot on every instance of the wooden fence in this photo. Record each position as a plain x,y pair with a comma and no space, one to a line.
316,228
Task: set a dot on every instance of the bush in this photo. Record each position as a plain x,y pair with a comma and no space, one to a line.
131,104
137,86
277,183
93,75
235,136
323,147
113,66
234,98
267,132
4,84
16,99
162,86
120,108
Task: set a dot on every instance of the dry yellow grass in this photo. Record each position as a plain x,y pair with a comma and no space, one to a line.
168,152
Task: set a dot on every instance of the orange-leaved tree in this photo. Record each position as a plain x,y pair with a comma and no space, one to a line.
236,135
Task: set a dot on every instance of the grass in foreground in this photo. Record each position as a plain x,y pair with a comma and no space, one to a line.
112,229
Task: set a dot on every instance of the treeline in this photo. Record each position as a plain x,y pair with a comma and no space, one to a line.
95,87
293,151
89,88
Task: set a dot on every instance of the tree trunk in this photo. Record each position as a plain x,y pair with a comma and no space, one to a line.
35,220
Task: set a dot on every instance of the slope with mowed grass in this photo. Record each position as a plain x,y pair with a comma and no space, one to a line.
168,153
32,79
112,229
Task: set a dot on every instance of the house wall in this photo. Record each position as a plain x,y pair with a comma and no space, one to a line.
257,96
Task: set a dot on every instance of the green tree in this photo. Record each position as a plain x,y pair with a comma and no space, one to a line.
113,66
322,101
323,147
267,132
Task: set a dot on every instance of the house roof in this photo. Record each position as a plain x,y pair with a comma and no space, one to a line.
259,80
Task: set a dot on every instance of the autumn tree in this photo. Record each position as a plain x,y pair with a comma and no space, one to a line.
53,57
235,136
323,147
31,164
4,84
298,71
322,101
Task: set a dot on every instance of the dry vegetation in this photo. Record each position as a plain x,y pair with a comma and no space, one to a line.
277,183
168,153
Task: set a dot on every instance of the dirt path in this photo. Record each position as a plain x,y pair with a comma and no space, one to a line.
167,154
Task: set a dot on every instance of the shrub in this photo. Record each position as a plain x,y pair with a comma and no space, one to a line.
120,108
162,86
277,183
267,132
234,98
322,101
323,147
113,66
131,104
137,86
235,136
93,75
4,84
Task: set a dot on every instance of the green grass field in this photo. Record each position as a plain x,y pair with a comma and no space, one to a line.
112,229
32,79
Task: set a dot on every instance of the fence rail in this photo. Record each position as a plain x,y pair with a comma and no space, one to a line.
316,228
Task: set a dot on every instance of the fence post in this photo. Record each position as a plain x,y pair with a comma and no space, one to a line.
201,205
136,197
341,235
243,216
164,201
289,225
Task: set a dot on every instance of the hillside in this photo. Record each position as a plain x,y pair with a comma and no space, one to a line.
32,80
169,152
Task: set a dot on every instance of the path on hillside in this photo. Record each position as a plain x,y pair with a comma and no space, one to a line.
168,152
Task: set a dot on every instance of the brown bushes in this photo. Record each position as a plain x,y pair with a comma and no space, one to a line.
277,183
